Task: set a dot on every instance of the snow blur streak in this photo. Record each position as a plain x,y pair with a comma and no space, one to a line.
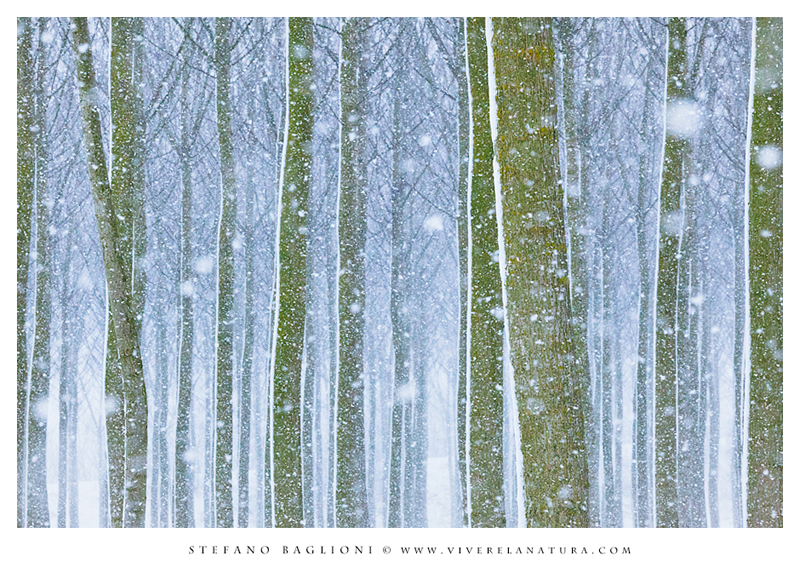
277,284
709,412
109,167
508,367
745,400
466,481
106,515
654,327
335,319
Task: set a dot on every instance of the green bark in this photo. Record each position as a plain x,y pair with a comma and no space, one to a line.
127,190
38,509
245,398
117,247
485,399
25,177
550,382
765,444
644,379
460,72
223,472
291,310
351,489
675,159
184,488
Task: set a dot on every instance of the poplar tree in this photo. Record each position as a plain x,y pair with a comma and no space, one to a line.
25,188
118,250
765,444
291,278
485,387
676,152
223,475
351,487
550,380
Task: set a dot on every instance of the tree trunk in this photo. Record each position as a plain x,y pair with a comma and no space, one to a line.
76,339
644,385
765,445
38,509
66,407
691,398
460,73
184,465
122,304
611,492
419,432
223,470
576,117
398,508
26,171
485,395
291,277
246,396
675,159
351,490
550,383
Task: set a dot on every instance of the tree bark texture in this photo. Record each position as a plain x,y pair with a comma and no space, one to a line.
550,384
116,246
351,488
485,400
291,312
765,443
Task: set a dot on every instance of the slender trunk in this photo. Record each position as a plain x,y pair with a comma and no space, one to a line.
400,331
351,490
485,398
223,466
419,438
307,419
127,192
76,339
65,386
332,280
291,276
765,410
245,398
38,509
741,316
26,170
675,159
184,464
611,492
575,112
644,387
710,363
691,398
122,303
160,477
115,427
460,70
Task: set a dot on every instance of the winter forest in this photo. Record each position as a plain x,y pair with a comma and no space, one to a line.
399,272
